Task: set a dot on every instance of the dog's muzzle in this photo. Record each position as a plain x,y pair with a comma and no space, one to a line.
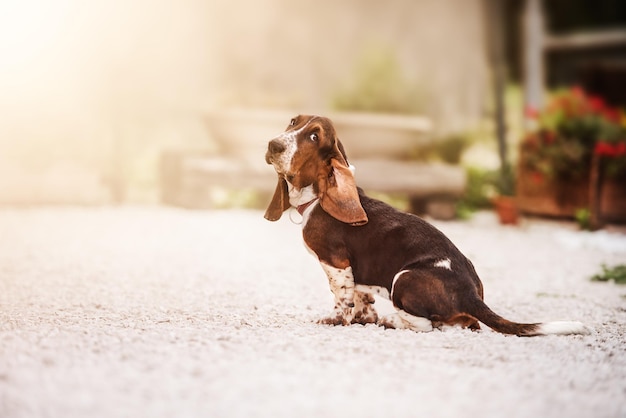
274,149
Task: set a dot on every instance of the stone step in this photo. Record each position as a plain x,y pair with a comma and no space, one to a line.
433,188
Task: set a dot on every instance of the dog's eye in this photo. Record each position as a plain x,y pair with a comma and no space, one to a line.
293,122
313,137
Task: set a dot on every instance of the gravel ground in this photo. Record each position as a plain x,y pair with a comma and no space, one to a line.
160,312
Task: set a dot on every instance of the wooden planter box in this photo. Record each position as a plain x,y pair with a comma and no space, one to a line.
558,198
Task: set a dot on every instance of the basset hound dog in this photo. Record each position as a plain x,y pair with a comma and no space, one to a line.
368,248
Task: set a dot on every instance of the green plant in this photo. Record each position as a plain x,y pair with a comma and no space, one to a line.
616,274
448,149
463,210
583,218
378,85
479,190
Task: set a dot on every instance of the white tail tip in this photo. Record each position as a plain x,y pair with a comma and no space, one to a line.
563,328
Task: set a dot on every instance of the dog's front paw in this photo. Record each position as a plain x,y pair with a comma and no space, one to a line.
337,317
333,320
364,316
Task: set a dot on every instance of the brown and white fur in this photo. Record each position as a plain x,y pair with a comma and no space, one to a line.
366,247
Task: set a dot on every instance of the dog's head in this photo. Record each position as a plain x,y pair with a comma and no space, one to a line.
309,153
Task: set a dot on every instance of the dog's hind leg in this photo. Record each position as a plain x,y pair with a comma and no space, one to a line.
401,319
420,299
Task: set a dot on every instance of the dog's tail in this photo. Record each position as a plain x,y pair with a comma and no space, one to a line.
494,321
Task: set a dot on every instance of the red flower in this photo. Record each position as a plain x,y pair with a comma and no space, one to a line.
612,115
606,149
531,112
596,104
602,149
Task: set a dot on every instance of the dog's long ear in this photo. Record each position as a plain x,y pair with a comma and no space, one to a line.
280,201
338,193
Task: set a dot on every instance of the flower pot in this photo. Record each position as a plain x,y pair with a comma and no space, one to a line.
506,209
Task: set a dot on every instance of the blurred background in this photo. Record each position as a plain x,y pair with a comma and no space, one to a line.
136,101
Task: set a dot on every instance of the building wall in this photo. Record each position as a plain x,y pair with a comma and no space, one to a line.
102,87
283,53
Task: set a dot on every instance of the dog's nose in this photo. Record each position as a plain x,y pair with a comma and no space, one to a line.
275,147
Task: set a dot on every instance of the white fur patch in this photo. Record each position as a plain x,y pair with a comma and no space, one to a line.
299,197
341,283
444,263
563,328
395,279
